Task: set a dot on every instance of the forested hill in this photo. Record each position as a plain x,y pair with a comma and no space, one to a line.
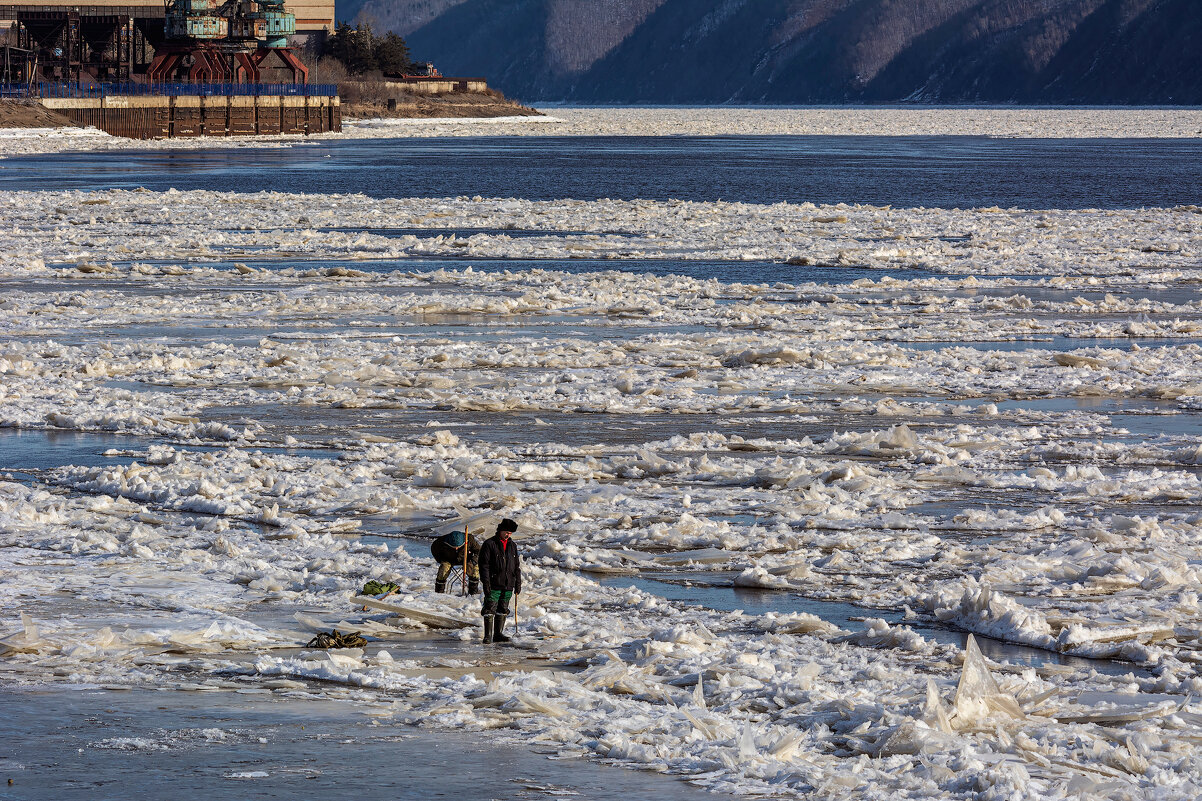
810,51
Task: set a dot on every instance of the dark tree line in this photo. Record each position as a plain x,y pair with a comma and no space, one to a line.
361,52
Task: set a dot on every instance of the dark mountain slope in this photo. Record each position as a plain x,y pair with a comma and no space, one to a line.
815,51
992,52
687,51
1134,51
466,40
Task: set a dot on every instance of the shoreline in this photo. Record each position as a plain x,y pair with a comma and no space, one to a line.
451,115
24,114
20,113
456,105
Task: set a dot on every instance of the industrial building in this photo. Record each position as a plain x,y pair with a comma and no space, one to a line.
116,41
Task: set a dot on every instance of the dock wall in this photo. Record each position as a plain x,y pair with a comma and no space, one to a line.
438,86
186,116
414,86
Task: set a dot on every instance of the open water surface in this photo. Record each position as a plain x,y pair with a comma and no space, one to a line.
909,171
66,743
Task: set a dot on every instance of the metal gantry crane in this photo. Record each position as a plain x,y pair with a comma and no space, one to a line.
226,43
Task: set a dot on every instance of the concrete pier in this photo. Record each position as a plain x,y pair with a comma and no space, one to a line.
157,117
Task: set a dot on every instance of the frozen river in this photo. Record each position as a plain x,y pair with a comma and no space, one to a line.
783,420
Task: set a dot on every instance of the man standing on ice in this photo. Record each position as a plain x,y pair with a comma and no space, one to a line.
501,575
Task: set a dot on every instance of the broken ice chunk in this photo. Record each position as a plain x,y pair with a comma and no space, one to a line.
25,641
977,695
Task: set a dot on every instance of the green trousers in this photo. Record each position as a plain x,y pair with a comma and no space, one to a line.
496,602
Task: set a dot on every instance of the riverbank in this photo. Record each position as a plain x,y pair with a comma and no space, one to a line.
369,120
30,114
26,114
489,104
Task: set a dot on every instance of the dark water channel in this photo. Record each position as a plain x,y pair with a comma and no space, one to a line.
906,171
29,451
1058,344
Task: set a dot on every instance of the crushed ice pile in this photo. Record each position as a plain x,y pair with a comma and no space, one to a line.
986,419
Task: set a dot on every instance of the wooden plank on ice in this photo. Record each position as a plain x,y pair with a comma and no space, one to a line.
427,618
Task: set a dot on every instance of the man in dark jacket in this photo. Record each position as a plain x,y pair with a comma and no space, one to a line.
447,550
501,575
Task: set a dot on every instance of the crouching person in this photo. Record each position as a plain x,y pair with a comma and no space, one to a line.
501,575
448,551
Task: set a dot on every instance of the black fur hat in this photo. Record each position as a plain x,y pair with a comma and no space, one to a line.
507,525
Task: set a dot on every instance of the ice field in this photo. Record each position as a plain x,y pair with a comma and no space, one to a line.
771,463
1016,123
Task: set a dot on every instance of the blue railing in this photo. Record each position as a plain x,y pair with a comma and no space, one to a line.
171,90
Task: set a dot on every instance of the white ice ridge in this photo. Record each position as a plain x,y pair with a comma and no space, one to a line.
1005,442
106,232
1009,123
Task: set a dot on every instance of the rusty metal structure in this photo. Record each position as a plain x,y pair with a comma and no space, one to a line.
227,43
109,43
119,41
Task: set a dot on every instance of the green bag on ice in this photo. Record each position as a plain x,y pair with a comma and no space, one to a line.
374,587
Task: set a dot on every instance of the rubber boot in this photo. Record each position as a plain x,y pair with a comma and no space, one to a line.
473,587
440,586
487,629
498,627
